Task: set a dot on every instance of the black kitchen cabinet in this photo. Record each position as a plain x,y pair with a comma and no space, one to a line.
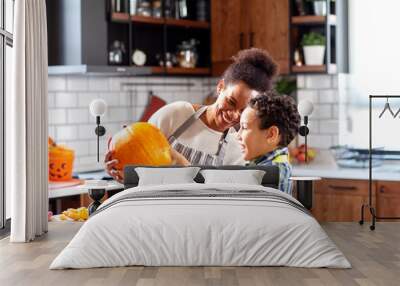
81,34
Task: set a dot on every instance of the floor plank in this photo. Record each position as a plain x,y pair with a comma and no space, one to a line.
375,257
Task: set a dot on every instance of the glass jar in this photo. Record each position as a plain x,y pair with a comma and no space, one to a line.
116,53
144,8
157,8
187,55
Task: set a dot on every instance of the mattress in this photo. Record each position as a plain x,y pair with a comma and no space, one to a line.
201,225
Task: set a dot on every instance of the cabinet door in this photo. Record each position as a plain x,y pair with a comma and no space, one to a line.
341,200
388,199
227,37
269,29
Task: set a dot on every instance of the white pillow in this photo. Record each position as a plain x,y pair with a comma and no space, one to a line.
249,177
164,176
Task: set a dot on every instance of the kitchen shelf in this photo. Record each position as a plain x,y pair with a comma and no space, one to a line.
313,20
333,26
119,17
124,17
180,71
147,20
187,23
310,19
309,69
188,71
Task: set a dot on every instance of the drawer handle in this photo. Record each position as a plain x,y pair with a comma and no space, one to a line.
382,189
350,188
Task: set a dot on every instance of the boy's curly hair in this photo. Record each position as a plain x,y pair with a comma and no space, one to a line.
278,110
255,67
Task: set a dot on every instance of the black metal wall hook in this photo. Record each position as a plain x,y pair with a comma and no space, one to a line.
387,107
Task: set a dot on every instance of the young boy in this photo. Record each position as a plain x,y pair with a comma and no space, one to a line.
267,126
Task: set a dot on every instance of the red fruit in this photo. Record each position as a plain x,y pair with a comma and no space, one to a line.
294,152
301,157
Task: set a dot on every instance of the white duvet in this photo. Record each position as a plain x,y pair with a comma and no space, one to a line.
187,231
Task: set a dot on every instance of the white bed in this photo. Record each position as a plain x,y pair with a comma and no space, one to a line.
222,225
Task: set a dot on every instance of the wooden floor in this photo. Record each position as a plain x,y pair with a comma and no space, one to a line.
375,257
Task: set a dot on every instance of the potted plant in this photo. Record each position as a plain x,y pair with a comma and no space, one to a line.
314,48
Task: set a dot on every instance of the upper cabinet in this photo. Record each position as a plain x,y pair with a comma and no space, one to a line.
164,37
239,24
269,29
226,34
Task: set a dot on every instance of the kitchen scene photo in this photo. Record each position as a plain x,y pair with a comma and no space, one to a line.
199,142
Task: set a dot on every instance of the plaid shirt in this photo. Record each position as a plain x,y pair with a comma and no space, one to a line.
279,157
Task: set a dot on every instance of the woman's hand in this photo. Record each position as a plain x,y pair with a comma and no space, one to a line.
109,165
178,158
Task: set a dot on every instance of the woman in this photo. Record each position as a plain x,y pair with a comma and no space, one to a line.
202,135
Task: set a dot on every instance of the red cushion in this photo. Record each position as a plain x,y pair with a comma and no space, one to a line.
155,103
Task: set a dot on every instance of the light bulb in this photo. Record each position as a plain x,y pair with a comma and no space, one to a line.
98,107
305,107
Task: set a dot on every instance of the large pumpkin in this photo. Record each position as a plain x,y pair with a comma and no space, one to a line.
141,143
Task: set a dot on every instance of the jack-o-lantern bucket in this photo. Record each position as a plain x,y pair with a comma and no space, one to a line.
61,161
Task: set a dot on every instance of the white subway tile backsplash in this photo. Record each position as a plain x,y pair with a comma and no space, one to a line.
141,98
318,81
323,123
86,131
81,148
112,98
98,84
311,95
125,98
66,99
93,146
57,116
56,83
301,81
79,115
91,162
335,81
51,101
139,112
66,133
318,141
328,96
77,83
52,132
322,111
85,98
329,126
118,114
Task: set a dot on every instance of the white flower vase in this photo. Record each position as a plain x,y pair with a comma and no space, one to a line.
320,8
314,55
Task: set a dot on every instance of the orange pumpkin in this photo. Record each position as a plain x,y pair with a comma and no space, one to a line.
61,161
141,143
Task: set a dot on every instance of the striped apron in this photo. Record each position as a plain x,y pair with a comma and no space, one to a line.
197,157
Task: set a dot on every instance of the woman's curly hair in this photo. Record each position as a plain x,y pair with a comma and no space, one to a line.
255,67
279,110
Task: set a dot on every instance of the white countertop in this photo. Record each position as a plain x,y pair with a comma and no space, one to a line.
81,189
324,166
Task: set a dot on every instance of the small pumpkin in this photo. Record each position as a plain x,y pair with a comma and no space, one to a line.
141,143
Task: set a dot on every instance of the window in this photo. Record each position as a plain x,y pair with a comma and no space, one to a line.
6,43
